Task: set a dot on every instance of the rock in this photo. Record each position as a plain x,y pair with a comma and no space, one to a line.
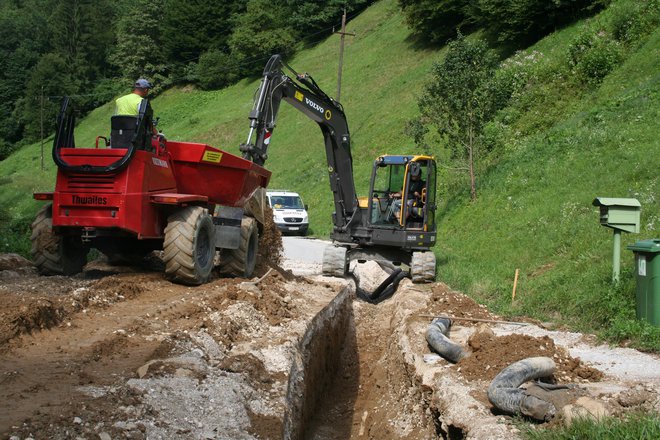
77,420
432,358
633,398
595,407
9,274
144,369
195,365
584,407
104,436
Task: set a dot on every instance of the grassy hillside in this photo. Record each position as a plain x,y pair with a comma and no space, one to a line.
559,144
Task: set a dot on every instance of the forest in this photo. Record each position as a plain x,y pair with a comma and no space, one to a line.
92,50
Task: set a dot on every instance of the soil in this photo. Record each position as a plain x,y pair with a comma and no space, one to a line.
119,352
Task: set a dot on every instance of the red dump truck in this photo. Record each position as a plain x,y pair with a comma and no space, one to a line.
136,193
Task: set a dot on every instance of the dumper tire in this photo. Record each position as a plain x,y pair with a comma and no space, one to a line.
55,254
422,267
334,261
189,246
242,261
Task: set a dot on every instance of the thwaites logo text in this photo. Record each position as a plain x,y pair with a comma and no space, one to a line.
314,105
90,200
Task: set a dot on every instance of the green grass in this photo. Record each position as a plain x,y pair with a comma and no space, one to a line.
633,427
559,144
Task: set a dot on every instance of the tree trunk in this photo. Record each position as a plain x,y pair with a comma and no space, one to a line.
473,189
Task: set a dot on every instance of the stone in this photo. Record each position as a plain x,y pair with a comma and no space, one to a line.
584,407
104,436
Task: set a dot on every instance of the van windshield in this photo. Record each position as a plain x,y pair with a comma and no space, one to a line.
286,202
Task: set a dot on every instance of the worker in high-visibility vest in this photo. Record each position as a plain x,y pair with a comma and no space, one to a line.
129,105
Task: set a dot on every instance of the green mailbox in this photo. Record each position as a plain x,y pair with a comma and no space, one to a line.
620,215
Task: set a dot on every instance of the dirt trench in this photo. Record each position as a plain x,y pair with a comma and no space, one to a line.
121,353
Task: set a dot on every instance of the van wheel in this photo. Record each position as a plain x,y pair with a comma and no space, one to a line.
242,261
189,246
55,254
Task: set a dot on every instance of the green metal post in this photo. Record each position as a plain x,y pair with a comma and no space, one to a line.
616,256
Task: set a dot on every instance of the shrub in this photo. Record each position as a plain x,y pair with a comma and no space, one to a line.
593,54
6,149
216,69
631,22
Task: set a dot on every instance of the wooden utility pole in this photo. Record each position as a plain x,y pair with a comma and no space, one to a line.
343,33
42,127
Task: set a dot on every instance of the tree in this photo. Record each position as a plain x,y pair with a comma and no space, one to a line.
526,21
436,20
216,69
261,31
80,34
138,51
307,17
23,37
192,27
458,101
49,77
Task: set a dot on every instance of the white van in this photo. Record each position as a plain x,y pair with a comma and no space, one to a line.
289,212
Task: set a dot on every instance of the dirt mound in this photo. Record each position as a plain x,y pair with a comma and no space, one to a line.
491,354
13,262
270,244
445,302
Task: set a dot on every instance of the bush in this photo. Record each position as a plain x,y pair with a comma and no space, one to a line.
15,234
631,22
593,54
216,70
6,149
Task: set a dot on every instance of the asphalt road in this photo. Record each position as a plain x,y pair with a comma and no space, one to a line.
303,256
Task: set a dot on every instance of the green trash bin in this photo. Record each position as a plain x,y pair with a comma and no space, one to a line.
647,269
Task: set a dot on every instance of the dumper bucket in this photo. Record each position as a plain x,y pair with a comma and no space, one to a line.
224,178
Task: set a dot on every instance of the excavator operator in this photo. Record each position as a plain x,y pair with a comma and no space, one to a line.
415,188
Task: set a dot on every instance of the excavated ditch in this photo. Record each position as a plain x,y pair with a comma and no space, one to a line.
350,379
131,355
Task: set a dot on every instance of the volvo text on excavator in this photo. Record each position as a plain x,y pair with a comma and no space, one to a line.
396,223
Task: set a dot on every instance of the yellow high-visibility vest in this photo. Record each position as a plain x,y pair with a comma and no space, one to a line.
128,105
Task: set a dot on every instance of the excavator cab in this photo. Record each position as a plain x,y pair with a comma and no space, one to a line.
403,193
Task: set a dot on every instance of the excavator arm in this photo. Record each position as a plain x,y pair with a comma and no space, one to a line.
305,95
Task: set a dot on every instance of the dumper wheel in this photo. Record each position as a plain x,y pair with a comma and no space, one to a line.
242,261
334,261
189,246
422,267
55,254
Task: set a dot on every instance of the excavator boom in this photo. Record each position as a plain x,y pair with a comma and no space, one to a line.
364,229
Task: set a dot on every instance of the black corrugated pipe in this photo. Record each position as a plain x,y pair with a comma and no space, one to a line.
504,393
385,290
436,336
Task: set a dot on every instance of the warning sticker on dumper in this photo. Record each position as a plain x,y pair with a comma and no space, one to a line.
212,156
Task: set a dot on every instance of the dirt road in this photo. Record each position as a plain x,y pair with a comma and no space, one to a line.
118,352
